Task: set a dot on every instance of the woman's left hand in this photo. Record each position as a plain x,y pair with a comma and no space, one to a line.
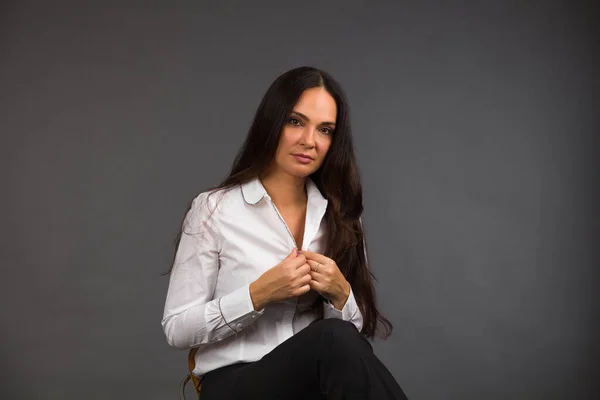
327,279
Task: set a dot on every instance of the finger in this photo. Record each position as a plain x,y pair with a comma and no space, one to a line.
295,262
320,258
304,269
319,287
293,254
305,280
303,289
298,261
316,266
316,276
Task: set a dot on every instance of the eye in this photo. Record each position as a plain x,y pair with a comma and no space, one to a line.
293,121
327,130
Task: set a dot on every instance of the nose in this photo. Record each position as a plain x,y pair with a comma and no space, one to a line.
308,136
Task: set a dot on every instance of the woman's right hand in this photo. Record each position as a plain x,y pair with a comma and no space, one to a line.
287,279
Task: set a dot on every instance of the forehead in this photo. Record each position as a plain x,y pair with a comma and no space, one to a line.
317,104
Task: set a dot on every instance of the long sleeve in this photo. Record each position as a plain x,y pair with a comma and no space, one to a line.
350,311
192,317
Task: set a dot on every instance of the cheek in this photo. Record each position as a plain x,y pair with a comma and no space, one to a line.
287,139
323,145
284,142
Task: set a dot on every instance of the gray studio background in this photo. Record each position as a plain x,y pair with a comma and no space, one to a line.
473,124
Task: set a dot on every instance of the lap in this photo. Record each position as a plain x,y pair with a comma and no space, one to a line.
290,371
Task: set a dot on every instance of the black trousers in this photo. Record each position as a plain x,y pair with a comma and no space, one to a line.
327,360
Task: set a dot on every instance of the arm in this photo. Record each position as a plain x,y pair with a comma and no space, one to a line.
349,311
191,316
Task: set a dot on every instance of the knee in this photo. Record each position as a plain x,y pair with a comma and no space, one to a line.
341,337
336,327
340,334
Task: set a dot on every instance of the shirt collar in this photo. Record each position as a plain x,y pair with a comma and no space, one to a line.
254,191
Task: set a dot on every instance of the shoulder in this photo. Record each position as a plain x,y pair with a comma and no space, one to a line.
217,202
205,215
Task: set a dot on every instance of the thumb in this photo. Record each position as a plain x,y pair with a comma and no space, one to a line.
293,254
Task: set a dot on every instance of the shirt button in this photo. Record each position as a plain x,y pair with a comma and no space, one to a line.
253,316
239,326
219,339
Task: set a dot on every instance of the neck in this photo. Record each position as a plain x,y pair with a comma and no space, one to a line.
285,190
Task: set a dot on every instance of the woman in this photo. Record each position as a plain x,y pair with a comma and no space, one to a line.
270,278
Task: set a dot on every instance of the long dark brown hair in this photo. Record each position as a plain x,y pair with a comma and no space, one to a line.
338,179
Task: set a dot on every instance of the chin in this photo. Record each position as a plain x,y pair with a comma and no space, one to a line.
301,172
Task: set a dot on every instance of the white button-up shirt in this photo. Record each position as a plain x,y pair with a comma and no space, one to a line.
227,243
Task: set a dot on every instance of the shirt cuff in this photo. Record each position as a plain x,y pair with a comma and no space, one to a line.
237,310
347,313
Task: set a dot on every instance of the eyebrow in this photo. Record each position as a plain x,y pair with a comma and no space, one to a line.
308,119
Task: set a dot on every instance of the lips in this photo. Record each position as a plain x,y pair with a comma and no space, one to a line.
303,158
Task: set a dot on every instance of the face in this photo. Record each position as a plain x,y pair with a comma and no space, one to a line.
307,134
